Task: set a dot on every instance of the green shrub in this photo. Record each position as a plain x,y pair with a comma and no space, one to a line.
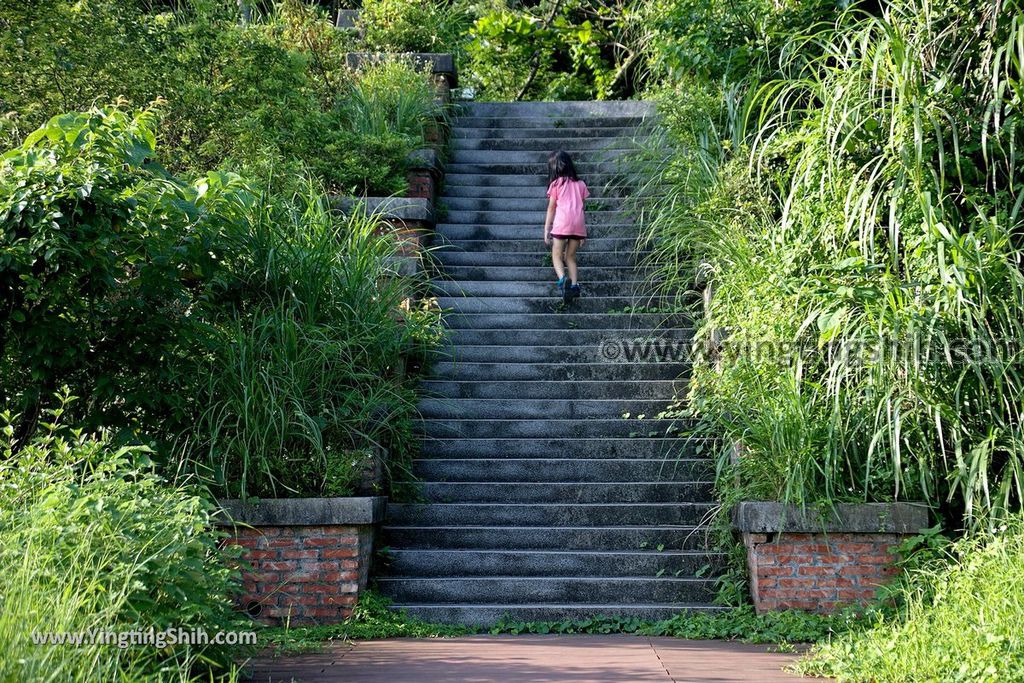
97,290
173,306
962,621
425,26
262,99
505,49
91,539
557,49
57,56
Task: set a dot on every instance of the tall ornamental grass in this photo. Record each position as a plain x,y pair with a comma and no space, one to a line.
390,96
307,376
91,540
854,205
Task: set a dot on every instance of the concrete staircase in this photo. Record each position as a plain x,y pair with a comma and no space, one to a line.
543,502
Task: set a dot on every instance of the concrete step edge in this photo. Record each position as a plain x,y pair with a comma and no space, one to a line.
563,483
526,551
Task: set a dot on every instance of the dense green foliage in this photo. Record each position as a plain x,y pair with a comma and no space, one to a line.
402,26
268,99
227,324
91,539
845,184
842,177
856,213
254,336
559,49
601,49
962,620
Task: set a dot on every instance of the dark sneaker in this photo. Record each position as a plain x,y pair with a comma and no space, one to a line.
560,283
573,292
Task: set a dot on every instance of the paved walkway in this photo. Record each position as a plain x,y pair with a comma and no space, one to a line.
532,659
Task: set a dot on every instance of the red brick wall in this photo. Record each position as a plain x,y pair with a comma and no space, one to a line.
421,184
817,572
303,574
410,236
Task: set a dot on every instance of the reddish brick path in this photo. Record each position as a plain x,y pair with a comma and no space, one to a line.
532,659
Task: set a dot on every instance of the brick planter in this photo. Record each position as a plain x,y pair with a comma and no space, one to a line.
817,561
410,220
424,174
309,558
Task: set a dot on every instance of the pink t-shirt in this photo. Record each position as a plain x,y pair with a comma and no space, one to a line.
569,196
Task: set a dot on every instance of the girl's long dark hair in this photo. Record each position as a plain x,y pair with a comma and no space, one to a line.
560,166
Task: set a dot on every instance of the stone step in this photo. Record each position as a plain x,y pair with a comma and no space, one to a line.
466,189
609,351
486,615
553,123
618,222
486,261
599,589
589,428
552,303
602,184
606,372
573,145
567,492
483,231
454,232
563,321
603,170
517,408
548,389
610,538
665,451
484,279
547,514
615,131
648,563
561,108
580,157
535,244
538,202
571,337
566,469
544,494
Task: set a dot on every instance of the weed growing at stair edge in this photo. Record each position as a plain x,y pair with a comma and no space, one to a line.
740,623
373,619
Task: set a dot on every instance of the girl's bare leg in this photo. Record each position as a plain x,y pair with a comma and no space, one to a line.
570,259
557,247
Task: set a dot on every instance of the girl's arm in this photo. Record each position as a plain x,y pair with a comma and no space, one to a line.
548,220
